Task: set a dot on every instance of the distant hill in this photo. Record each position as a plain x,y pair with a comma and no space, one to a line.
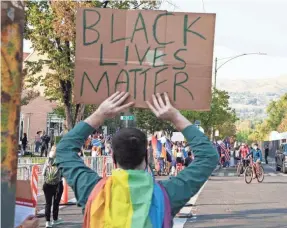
251,97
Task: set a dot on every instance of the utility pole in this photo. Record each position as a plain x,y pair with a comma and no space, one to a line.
215,73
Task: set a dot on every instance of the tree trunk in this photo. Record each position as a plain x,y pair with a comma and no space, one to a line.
80,114
69,119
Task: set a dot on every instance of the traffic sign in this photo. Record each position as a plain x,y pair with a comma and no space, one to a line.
127,117
197,122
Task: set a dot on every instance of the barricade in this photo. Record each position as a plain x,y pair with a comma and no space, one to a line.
31,160
24,172
102,165
34,183
64,199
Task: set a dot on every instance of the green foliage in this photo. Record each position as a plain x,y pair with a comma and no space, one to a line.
242,136
276,120
220,114
28,96
220,117
50,26
146,120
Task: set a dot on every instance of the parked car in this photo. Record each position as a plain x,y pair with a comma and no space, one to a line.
281,158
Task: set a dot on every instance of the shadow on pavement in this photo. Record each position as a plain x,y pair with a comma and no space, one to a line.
222,204
245,215
274,182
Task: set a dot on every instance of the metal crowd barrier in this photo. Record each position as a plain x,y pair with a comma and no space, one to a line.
24,172
31,160
98,164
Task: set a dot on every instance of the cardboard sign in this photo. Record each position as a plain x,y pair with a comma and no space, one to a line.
25,205
144,52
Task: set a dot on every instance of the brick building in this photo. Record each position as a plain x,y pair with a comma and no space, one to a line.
38,115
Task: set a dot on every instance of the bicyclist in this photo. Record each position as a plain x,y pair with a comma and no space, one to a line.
256,155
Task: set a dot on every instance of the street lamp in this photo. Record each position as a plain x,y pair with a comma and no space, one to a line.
216,68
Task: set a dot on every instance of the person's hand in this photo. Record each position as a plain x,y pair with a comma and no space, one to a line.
30,222
111,107
163,110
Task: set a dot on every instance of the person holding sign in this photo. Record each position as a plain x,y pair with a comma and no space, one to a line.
130,197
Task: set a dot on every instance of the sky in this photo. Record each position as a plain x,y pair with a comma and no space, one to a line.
243,26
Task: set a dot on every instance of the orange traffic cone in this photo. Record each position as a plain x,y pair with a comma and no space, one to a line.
64,198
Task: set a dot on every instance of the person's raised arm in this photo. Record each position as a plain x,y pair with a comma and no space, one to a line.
187,183
81,178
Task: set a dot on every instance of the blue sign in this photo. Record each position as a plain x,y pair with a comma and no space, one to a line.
197,122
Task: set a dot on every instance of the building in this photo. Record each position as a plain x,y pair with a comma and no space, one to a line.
38,114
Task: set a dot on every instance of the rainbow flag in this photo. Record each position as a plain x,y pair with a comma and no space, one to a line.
128,199
154,145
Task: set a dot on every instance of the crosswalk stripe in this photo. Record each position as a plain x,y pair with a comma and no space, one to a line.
282,174
272,174
231,174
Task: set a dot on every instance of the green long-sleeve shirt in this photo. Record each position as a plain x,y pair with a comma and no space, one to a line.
179,189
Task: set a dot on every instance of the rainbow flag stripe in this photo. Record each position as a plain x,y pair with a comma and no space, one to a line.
128,199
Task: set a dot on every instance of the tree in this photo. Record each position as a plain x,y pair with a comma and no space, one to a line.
50,26
276,111
146,120
28,95
220,117
220,113
283,125
276,120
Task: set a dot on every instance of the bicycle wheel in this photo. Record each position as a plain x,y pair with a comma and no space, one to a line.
240,169
260,174
248,175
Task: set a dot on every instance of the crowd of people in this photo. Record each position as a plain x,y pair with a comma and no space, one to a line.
230,154
166,157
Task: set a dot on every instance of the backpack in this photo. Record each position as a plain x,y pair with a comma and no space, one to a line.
52,174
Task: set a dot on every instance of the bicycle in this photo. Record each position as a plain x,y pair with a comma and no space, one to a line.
241,166
249,172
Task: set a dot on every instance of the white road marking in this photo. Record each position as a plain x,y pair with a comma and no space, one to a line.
272,174
221,174
231,174
179,222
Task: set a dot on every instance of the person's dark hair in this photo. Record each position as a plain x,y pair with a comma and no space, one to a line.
25,135
129,147
189,153
149,143
256,144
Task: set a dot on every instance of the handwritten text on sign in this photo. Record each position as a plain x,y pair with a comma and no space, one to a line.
144,52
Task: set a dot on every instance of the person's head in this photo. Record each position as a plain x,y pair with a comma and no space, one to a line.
189,154
52,153
255,146
130,149
25,135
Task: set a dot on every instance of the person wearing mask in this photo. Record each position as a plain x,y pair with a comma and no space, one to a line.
130,197
256,156
266,153
24,142
53,188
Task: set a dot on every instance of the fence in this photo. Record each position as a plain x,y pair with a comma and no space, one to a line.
24,172
103,165
31,160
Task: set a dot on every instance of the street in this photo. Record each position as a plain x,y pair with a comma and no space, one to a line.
225,201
